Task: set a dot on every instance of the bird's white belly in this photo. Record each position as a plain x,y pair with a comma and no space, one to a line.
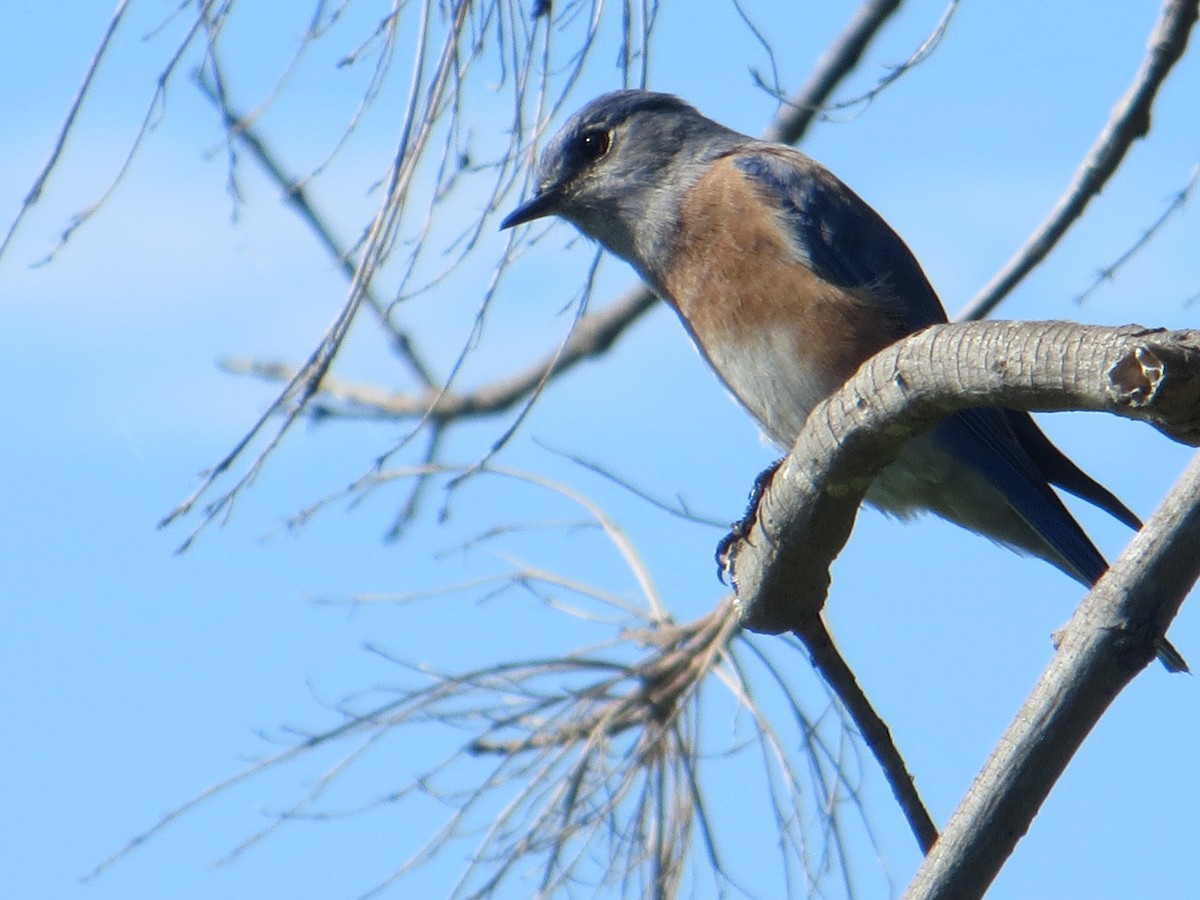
775,385
779,388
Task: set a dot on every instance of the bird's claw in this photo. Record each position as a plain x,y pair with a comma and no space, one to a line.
727,547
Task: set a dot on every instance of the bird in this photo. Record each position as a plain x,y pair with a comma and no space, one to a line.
787,281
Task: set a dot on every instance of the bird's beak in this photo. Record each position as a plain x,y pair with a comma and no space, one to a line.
542,204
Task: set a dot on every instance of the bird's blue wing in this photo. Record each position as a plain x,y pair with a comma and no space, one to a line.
845,242
982,439
842,239
1059,470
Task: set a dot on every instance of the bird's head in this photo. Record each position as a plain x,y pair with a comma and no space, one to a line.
618,170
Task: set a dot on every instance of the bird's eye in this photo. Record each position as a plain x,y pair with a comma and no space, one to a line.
592,144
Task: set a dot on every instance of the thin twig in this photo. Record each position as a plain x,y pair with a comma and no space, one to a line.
838,61
296,196
1176,203
60,143
918,56
294,396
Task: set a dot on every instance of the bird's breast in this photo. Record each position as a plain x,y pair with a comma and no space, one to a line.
781,338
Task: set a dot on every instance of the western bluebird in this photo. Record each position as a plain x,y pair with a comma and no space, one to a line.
787,281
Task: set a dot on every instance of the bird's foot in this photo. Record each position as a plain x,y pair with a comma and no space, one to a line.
728,546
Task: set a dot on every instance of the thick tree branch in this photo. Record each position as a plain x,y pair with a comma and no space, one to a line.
1129,120
1108,641
1152,375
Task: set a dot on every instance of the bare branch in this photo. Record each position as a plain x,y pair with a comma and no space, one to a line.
1129,120
840,677
1151,375
1178,200
838,61
593,334
592,754
293,191
294,396
812,501
208,22
918,56
60,143
1109,640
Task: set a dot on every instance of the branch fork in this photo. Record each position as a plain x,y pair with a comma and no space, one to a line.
780,562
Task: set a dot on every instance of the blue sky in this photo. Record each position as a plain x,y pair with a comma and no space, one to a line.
136,676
